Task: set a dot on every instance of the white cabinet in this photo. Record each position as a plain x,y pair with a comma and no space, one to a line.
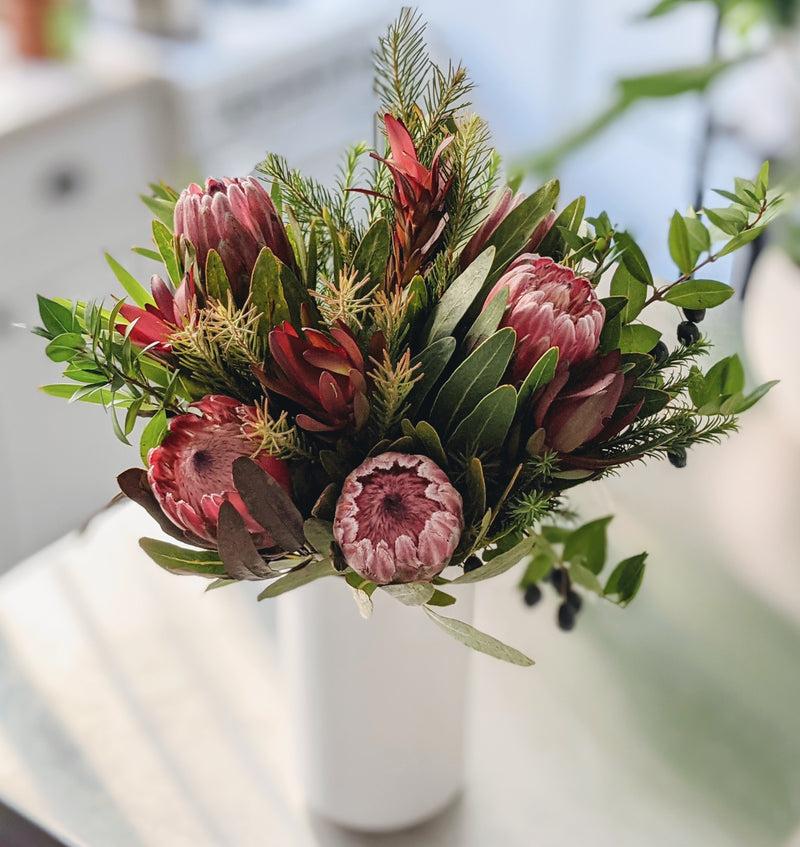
71,186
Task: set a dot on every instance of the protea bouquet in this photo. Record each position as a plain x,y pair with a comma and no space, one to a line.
395,382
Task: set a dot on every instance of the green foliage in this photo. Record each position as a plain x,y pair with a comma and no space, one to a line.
428,360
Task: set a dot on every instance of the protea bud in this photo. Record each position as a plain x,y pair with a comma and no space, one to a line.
155,323
581,407
237,218
549,306
398,519
419,201
322,373
505,205
191,472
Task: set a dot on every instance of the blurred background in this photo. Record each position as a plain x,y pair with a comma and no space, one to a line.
642,113
100,97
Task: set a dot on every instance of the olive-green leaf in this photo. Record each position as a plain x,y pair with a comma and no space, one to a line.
182,560
499,564
473,379
488,320
486,427
430,364
478,640
372,253
540,374
300,576
458,298
153,434
411,593
511,236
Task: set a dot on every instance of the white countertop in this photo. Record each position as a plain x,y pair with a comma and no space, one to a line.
137,710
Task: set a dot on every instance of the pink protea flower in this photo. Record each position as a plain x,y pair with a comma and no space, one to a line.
505,205
548,306
191,471
237,218
582,407
398,519
155,323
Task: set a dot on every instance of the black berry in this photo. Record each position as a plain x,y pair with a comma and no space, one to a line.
688,333
660,353
558,578
677,457
533,594
472,563
694,315
566,617
574,600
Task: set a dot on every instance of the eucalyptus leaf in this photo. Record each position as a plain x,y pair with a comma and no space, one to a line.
486,427
269,504
515,231
319,534
499,564
430,364
473,379
181,560
372,253
457,299
236,547
478,640
410,593
302,575
540,375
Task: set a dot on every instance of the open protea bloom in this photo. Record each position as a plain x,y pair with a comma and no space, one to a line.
581,406
323,374
235,217
419,201
191,472
155,323
398,519
505,205
548,306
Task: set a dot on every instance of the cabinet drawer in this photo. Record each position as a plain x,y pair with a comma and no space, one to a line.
61,167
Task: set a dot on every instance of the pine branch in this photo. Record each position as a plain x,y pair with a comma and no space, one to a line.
277,436
402,66
307,197
347,299
392,384
219,347
473,165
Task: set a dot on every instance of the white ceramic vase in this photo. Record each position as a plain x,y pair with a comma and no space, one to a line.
377,706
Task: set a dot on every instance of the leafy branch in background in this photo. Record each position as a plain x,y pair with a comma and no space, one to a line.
735,15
